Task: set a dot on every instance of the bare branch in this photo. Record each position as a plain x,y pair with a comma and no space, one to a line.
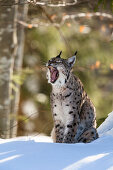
87,15
66,17
63,4
36,25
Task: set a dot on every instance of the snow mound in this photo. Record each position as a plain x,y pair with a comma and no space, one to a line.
39,153
107,126
27,154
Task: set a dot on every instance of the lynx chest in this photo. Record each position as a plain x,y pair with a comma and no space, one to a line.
62,105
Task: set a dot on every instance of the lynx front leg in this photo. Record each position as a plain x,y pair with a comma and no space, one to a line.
58,132
71,129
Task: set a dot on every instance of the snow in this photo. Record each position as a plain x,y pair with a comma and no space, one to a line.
39,153
107,126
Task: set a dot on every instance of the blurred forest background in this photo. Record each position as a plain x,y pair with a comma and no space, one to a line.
33,31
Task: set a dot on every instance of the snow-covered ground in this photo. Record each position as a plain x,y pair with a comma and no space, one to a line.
39,153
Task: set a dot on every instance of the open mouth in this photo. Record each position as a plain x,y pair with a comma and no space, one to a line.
53,74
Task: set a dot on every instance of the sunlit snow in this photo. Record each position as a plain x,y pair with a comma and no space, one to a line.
39,153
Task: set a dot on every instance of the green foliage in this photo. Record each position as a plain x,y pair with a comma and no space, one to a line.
104,4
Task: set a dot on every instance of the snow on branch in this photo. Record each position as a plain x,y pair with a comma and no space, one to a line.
47,3
88,15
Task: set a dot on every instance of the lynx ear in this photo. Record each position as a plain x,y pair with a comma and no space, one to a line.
71,60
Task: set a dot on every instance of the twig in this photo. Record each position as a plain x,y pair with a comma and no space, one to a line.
36,25
27,118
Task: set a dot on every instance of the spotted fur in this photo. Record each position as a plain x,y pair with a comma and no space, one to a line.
73,112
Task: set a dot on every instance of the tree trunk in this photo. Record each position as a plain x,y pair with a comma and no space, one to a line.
7,48
11,56
22,13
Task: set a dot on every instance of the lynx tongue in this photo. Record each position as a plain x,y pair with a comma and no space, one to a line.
54,74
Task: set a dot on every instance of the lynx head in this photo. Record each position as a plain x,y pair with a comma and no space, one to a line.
59,69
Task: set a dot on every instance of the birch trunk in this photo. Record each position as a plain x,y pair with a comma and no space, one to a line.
7,48
22,14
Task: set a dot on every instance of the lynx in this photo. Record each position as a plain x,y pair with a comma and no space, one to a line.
73,112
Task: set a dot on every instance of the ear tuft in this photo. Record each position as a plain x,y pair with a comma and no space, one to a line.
58,56
75,52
